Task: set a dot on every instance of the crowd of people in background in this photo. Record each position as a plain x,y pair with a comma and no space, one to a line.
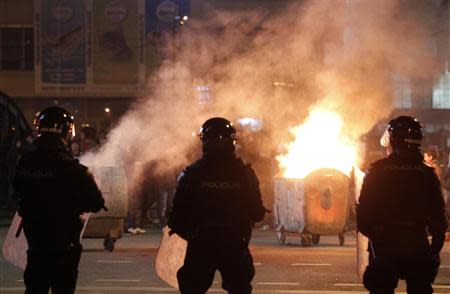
88,140
440,162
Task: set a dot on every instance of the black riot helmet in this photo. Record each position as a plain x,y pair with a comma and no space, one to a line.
218,135
54,120
405,133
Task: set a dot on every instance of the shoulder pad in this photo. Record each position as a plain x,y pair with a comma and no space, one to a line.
190,169
75,166
66,157
377,164
243,163
181,175
187,170
88,172
194,165
82,167
249,171
428,168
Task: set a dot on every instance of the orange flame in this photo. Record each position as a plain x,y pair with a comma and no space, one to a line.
318,143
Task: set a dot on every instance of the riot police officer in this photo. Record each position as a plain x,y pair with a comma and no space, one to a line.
216,202
400,202
53,190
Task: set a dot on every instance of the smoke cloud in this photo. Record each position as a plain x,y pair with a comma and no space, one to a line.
338,55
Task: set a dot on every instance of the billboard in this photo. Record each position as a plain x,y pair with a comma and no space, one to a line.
87,47
161,17
116,44
60,45
164,15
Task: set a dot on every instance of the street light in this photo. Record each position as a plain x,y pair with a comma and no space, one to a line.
183,19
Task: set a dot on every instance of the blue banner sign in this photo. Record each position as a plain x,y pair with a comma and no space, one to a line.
63,41
165,15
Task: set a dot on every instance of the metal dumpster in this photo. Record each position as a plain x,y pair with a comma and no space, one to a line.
109,224
315,205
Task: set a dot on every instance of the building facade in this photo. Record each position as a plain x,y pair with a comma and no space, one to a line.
95,57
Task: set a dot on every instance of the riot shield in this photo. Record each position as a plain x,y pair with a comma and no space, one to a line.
361,241
362,244
15,248
85,219
170,257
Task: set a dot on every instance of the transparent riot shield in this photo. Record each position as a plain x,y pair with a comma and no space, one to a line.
170,257
361,241
15,248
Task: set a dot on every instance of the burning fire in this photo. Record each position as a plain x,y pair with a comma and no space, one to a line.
319,143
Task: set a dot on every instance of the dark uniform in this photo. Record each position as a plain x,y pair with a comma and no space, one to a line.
216,202
400,202
53,190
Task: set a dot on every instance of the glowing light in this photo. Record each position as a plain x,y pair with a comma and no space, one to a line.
283,84
185,18
107,110
253,123
318,143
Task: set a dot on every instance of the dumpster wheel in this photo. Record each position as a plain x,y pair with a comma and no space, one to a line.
315,239
341,239
109,244
306,239
281,237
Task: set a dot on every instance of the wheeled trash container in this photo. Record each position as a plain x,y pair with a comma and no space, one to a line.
109,224
315,205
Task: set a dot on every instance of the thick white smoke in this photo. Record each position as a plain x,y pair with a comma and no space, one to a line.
337,54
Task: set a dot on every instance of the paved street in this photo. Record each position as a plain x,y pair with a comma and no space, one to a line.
326,268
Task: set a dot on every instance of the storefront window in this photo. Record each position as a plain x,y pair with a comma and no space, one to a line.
16,50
